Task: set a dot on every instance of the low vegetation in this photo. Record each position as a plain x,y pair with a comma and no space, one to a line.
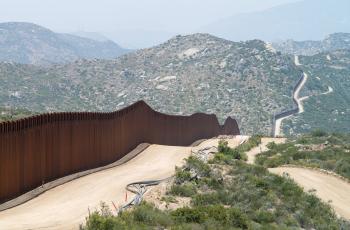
13,114
228,194
227,154
317,150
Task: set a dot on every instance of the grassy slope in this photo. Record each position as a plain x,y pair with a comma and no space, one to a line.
320,150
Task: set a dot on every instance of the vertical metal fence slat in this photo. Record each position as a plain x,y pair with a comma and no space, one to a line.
45,147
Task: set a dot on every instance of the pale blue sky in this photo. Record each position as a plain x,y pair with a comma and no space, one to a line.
179,16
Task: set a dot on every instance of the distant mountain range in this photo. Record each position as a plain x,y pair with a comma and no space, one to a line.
91,35
28,43
332,42
197,73
304,20
249,80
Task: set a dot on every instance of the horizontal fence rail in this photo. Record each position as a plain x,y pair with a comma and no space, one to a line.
42,148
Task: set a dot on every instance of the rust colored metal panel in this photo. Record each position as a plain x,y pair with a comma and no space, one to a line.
42,148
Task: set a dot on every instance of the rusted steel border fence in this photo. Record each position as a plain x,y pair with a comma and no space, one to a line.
39,149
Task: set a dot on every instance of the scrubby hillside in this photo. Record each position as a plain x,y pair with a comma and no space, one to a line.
328,107
316,150
226,193
187,74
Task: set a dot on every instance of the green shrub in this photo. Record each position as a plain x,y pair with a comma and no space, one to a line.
206,199
238,219
98,222
186,190
223,146
226,154
271,145
318,133
201,168
264,217
149,215
181,175
189,215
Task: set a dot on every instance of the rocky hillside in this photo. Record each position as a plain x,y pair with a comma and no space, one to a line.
187,74
330,43
32,44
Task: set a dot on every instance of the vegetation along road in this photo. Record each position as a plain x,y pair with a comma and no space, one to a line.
326,187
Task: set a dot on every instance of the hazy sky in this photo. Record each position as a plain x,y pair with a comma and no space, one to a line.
110,16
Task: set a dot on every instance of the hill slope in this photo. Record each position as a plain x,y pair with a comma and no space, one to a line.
32,44
328,107
304,20
187,74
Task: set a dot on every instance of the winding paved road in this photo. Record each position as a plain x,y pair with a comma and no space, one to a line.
297,99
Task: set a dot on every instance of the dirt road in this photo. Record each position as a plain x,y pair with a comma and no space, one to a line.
66,206
327,187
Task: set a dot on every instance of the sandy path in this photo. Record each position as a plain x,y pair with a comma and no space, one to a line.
327,187
66,206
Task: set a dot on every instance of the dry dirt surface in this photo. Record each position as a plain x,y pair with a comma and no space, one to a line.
66,206
327,187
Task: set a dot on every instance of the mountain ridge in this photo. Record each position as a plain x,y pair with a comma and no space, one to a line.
302,20
332,42
28,43
195,73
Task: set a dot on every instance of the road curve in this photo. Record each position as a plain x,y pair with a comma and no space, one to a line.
296,97
66,206
328,187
